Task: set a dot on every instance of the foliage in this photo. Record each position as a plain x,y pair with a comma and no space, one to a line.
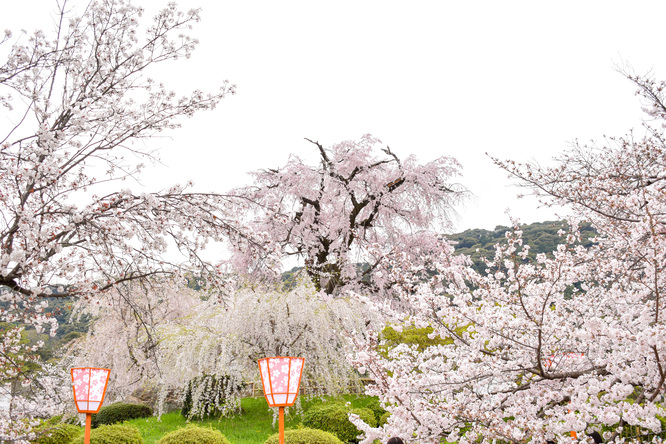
377,410
305,436
47,345
193,434
411,335
120,412
334,418
361,204
56,433
113,434
383,419
479,244
211,395
571,341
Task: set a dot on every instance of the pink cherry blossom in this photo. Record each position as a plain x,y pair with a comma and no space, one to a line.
361,204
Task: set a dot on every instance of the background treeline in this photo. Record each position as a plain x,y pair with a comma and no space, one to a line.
542,237
69,327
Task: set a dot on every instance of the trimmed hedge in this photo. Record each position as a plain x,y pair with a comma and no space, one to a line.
113,434
334,418
120,412
56,433
193,434
304,436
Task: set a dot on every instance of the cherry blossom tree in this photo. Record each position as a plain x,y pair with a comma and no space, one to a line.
570,343
358,206
80,105
83,105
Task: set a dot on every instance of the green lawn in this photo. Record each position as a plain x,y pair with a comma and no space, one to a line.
253,426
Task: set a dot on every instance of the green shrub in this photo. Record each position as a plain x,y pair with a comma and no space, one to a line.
113,434
410,335
366,414
384,419
334,418
210,395
49,433
69,419
377,409
193,434
53,420
120,412
304,436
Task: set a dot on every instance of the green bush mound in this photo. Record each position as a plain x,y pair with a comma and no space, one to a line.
55,433
377,409
113,434
334,418
383,419
304,436
193,434
120,412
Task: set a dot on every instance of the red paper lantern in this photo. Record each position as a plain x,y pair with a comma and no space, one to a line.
281,378
89,388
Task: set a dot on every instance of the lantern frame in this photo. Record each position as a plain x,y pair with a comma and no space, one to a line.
280,398
87,400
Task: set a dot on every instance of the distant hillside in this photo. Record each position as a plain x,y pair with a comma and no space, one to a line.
541,236
61,309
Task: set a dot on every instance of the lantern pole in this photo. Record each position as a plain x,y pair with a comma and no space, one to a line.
86,438
281,422
281,379
89,387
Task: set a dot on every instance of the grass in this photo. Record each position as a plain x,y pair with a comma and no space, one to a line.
253,426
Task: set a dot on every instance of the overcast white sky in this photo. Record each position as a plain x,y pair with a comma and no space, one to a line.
516,79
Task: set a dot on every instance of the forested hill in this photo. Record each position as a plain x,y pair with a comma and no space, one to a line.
541,236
